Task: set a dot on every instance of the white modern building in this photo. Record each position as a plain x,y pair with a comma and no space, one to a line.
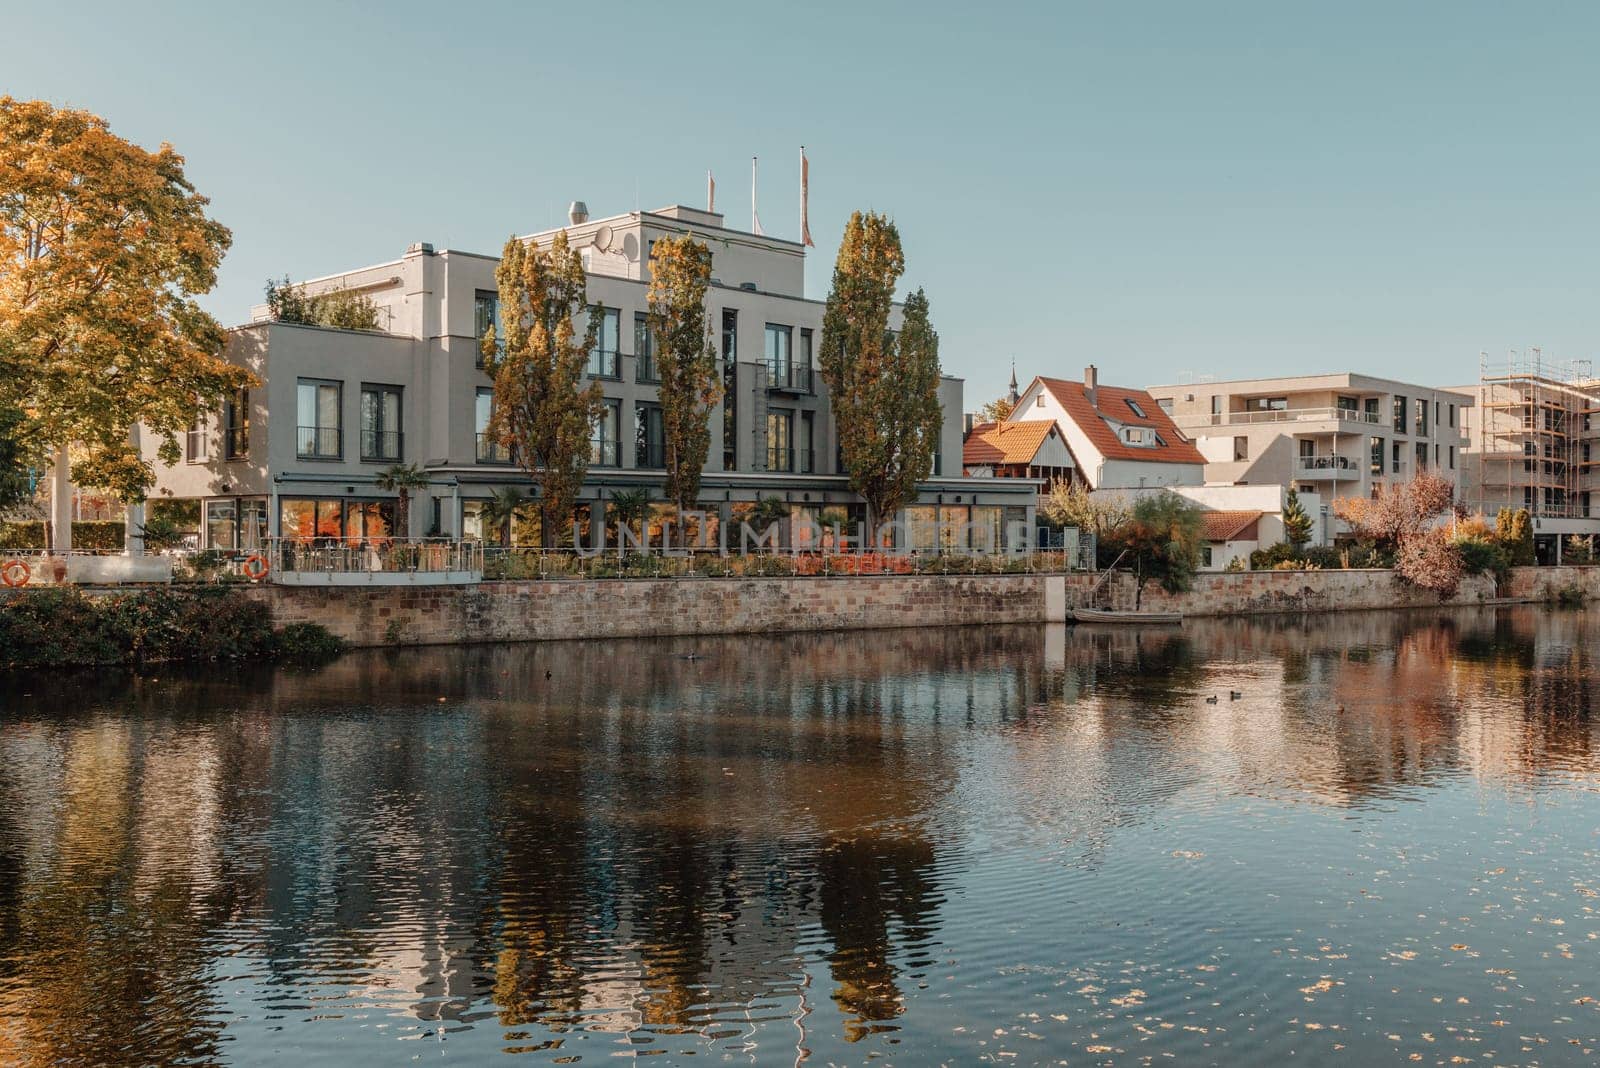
298,455
1335,435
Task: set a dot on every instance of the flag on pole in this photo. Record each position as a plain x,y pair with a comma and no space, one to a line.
755,218
805,195
711,193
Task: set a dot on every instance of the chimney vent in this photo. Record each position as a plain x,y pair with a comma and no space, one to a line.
1091,380
577,212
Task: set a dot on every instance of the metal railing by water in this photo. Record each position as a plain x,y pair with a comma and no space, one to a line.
372,555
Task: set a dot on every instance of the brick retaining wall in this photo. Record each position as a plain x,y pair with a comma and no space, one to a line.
617,608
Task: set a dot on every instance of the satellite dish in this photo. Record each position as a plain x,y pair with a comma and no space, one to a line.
630,247
602,238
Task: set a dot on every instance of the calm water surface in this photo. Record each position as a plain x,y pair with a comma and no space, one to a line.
952,846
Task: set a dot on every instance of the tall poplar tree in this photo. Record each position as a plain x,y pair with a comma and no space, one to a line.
542,409
686,362
884,388
103,247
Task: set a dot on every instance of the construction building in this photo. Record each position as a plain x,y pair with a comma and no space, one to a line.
1534,442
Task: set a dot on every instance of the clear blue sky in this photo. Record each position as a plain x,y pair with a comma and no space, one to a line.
1234,189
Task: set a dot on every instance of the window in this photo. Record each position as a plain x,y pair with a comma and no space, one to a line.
1241,449
1421,422
1133,405
1395,457
730,389
1347,404
1422,457
780,445
1267,404
321,429
236,426
380,423
1400,414
1452,455
490,451
804,452
649,437
607,343
1375,447
1165,404
779,365
486,314
1371,404
221,524
1216,404
607,433
194,442
644,350
1205,556
1452,416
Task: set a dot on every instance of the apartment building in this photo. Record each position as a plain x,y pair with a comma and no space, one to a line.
1533,432
298,455
1335,435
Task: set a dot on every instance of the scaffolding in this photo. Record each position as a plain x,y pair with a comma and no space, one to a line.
1532,442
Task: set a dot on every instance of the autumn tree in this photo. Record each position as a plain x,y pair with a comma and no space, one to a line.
686,362
884,387
1403,519
542,409
997,410
14,486
1162,537
104,247
1513,529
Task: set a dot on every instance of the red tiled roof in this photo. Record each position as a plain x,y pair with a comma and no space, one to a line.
1228,526
1006,443
1111,403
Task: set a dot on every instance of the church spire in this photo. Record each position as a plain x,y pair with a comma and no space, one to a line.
1012,398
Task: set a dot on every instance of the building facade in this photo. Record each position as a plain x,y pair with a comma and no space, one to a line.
299,455
1337,435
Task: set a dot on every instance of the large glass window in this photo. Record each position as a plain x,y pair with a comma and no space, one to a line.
1420,422
649,439
644,349
490,451
1375,447
307,518
321,434
780,443
236,426
222,524
779,338
1400,414
607,343
607,431
804,450
486,313
380,423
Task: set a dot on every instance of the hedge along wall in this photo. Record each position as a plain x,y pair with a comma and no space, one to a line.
86,534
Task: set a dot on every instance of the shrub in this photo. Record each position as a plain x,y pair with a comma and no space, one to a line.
1429,560
86,534
307,643
1483,556
64,627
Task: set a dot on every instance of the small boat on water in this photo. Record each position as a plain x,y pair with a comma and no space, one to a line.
1102,615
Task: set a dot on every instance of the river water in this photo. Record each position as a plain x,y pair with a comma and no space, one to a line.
1001,845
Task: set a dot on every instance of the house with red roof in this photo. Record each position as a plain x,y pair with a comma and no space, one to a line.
1117,437
1029,448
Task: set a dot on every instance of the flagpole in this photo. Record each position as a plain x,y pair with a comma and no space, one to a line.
755,219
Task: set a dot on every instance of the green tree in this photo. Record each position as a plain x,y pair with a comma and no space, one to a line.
1513,529
1163,536
401,480
1296,523
686,362
629,507
340,308
884,388
542,408
103,248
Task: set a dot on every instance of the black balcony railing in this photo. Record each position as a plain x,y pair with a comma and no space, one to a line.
646,371
603,364
651,454
491,451
792,461
789,378
602,452
236,442
381,444
320,443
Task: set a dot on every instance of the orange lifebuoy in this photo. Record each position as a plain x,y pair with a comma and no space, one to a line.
15,572
255,567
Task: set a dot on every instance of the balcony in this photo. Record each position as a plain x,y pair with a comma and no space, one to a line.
604,364
1354,419
378,446
1325,466
645,371
320,443
491,451
788,377
790,461
603,452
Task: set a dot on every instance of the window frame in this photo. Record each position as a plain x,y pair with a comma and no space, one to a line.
380,389
316,428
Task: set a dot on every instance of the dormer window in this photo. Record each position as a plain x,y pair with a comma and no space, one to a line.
1143,437
1134,405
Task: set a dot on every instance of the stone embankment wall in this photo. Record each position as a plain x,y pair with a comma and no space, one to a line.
617,608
